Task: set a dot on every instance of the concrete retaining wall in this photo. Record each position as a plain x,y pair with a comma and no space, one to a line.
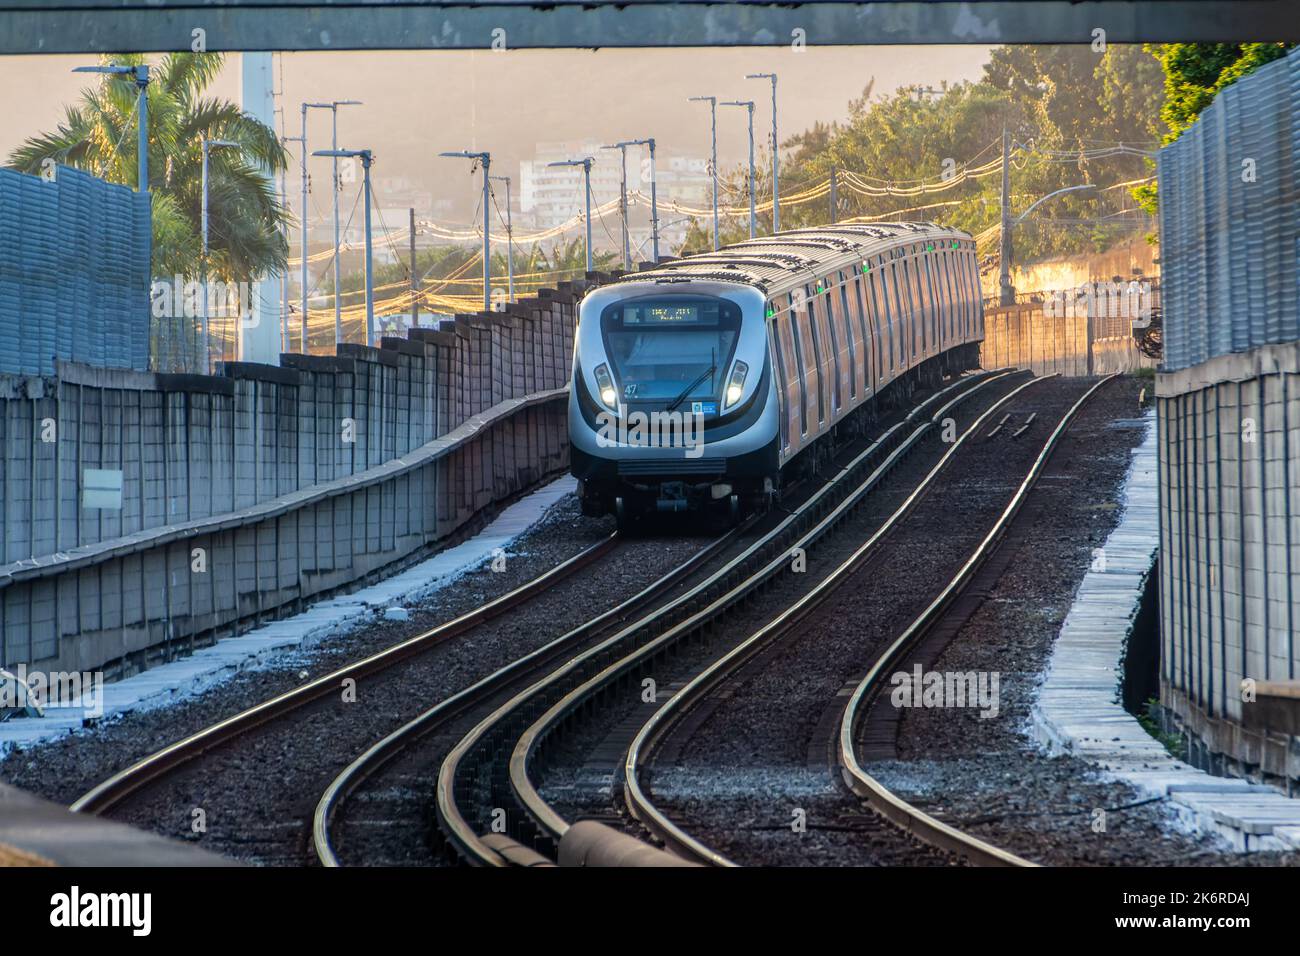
1028,336
259,488
1230,547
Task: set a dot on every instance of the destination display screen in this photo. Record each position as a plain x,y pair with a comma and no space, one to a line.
662,313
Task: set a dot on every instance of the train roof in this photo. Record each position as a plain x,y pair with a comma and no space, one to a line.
789,258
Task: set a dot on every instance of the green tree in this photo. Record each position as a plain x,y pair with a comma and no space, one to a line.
1194,73
245,217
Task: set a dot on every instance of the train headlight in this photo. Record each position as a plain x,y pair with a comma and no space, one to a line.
605,386
736,384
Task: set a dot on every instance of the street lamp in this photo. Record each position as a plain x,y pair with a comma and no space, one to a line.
749,107
486,160
713,125
366,157
776,190
1008,292
585,163
141,74
622,201
302,226
334,144
510,239
208,145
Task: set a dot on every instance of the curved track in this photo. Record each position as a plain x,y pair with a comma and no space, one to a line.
470,788
899,813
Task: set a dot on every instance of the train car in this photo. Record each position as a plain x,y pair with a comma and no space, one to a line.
710,381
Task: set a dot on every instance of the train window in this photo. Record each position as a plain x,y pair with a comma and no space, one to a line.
659,344
932,288
908,303
894,308
836,396
846,314
817,353
868,321
945,296
782,400
796,333
953,311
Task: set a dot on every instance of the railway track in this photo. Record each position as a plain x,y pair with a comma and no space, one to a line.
475,791
842,735
252,770
405,750
157,765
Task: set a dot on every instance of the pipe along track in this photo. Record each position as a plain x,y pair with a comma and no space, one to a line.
878,797
471,790
161,763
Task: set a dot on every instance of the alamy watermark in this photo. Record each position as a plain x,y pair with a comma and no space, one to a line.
33,690
182,297
928,689
684,430
1128,300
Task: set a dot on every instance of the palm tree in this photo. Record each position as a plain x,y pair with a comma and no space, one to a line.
244,215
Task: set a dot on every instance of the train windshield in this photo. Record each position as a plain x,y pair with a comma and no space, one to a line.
671,348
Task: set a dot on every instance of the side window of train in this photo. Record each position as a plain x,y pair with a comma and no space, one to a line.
817,352
871,311
836,399
927,296
846,314
894,305
782,401
869,347
953,293
796,335
909,312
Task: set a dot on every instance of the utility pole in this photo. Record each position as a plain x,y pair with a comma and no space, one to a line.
776,189
334,144
1007,294
622,202
510,241
415,282
713,131
654,198
207,145
654,203
835,196
302,225
366,157
284,279
585,163
486,160
753,216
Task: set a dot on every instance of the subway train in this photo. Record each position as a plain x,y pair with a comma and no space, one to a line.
710,382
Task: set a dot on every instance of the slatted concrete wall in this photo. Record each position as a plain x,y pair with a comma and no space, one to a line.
1030,336
282,483
1229,542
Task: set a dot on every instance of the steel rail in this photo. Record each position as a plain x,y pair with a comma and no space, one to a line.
671,713
881,798
373,759
156,765
541,812
453,822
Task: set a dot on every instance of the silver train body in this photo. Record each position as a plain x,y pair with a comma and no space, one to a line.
706,381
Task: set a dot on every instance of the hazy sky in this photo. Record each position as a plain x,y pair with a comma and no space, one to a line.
418,103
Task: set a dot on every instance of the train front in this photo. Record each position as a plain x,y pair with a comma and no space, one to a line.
672,406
